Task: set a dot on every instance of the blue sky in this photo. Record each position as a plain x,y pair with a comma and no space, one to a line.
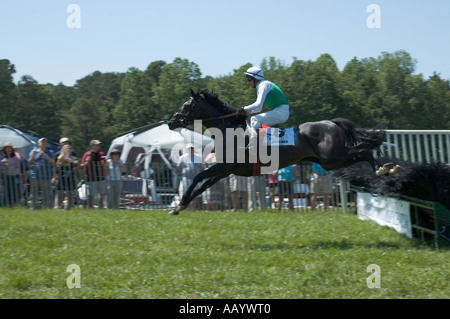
219,36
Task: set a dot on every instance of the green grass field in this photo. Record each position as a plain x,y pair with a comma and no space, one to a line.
148,254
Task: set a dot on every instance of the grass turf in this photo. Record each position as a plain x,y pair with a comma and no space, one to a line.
148,254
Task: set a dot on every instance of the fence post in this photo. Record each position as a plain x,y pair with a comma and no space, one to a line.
343,195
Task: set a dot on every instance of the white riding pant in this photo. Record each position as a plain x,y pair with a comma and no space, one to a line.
276,116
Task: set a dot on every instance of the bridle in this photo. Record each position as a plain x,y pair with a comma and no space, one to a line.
184,114
183,120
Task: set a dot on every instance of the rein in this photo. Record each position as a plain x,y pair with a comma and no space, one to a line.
222,117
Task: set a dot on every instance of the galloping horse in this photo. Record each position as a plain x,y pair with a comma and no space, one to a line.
332,144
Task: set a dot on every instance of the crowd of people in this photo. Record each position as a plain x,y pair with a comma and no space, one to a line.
46,177
51,180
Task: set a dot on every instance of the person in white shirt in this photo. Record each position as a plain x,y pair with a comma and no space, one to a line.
189,165
116,169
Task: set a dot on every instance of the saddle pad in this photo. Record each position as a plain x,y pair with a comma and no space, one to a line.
274,136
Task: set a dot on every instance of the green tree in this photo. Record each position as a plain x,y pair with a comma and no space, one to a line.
99,87
274,70
136,106
175,82
82,123
437,105
150,80
292,88
35,108
64,96
128,111
233,88
358,90
394,87
319,91
101,105
101,92
7,90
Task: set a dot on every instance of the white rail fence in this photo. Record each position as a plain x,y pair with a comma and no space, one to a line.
418,146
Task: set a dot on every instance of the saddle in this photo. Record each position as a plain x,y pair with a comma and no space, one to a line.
271,137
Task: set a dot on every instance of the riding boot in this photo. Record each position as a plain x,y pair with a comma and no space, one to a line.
251,147
252,143
253,133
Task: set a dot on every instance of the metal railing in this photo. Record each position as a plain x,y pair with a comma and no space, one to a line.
157,187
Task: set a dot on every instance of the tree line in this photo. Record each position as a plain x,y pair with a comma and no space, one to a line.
102,105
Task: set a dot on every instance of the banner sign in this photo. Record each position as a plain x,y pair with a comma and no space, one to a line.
385,211
279,136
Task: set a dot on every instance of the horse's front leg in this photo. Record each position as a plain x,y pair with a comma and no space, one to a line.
186,198
373,162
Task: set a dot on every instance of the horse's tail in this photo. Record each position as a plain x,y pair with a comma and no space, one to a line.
357,136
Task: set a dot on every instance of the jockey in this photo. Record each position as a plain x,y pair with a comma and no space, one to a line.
268,94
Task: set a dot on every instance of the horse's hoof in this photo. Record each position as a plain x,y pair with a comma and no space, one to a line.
177,210
381,171
397,169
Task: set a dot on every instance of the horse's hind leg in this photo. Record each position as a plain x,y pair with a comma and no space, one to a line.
207,183
368,158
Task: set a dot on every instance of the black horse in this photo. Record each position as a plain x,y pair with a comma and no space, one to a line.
332,144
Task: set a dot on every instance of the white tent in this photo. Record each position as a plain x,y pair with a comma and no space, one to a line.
138,146
153,138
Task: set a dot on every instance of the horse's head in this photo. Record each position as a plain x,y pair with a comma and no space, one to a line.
187,113
206,106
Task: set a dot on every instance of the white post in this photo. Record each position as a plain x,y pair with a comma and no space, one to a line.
343,195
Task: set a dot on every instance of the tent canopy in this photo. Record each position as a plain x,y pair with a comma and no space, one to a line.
24,141
155,143
156,137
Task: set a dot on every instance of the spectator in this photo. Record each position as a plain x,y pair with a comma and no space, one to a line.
286,178
189,165
256,189
215,195
116,169
238,185
10,165
321,184
66,164
65,168
301,184
41,161
273,182
93,164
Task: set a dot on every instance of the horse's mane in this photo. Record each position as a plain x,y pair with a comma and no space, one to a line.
214,100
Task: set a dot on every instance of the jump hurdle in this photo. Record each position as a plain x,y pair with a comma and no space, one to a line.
410,216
